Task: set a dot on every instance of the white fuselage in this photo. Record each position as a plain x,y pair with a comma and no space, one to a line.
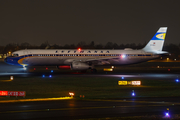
67,57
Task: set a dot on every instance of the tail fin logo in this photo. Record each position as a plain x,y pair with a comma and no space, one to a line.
161,36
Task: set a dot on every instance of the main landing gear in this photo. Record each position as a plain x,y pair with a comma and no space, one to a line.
93,71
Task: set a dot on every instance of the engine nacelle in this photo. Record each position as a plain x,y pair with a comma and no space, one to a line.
80,66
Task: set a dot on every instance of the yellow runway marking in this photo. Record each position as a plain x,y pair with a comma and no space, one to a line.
5,80
38,99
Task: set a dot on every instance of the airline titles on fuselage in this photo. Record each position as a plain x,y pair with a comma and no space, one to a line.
82,51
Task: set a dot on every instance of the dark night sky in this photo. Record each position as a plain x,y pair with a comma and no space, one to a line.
71,21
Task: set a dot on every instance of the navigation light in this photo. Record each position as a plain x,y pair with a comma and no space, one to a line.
123,56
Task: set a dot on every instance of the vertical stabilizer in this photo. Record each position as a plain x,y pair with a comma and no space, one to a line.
157,42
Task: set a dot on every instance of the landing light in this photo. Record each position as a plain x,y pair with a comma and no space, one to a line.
24,67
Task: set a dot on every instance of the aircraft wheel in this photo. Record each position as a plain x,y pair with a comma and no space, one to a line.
93,71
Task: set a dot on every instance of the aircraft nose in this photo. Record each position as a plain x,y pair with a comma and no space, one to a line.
5,60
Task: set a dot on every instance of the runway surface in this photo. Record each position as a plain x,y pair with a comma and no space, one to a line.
82,109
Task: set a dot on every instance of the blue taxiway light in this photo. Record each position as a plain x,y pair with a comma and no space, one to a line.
177,80
122,78
43,76
50,76
52,71
167,115
133,94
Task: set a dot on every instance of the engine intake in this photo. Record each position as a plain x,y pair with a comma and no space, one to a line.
80,66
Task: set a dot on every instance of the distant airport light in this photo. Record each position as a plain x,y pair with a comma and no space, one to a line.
157,66
122,78
169,69
133,94
43,76
34,68
174,59
52,71
46,68
167,58
71,94
123,56
11,77
112,66
177,80
50,76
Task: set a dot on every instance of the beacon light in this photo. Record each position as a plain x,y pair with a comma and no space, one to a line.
79,49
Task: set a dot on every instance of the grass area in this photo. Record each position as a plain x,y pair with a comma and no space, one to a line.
91,87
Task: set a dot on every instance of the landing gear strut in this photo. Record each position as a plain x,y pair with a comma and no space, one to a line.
93,71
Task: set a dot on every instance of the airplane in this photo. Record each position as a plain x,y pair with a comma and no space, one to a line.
79,59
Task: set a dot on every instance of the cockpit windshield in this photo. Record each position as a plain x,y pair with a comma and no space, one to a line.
15,55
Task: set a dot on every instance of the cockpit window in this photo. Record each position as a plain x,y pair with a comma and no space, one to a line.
15,55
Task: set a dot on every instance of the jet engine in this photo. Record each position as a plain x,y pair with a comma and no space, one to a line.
80,66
